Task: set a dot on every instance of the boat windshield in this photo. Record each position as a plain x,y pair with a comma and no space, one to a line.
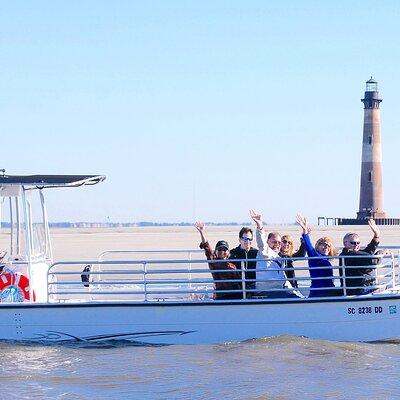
40,244
12,238
14,223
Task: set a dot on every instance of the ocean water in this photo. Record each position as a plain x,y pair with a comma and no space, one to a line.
271,368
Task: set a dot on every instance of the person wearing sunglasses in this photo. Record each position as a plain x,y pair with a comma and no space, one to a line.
222,278
245,251
320,269
287,251
271,279
360,276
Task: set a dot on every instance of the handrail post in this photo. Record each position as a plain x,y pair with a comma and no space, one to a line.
393,271
243,280
145,280
190,271
343,269
398,265
375,273
47,285
11,227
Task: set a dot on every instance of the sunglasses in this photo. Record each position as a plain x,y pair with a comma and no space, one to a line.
325,244
222,249
246,239
286,241
354,243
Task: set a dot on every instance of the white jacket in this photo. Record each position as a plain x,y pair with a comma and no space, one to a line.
267,269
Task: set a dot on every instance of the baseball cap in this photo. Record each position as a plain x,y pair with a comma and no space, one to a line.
222,244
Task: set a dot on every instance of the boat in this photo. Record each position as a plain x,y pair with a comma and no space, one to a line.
158,297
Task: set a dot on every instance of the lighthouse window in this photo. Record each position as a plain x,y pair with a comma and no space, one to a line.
370,176
369,139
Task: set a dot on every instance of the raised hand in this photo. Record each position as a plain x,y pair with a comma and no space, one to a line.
374,228
199,226
257,218
303,223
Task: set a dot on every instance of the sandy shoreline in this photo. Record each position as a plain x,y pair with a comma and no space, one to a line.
86,244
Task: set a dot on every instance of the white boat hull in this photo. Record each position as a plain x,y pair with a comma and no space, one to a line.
356,319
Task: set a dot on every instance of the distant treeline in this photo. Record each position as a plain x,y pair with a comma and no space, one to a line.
131,224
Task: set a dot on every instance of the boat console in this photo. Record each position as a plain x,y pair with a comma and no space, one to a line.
25,228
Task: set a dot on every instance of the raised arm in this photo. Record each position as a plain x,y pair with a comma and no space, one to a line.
373,244
306,235
260,234
257,218
301,252
303,224
200,226
374,228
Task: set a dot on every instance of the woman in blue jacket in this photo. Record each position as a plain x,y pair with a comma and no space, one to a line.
321,278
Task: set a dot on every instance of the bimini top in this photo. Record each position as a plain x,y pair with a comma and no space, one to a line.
48,181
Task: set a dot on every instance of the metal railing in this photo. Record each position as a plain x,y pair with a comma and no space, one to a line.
154,280
166,254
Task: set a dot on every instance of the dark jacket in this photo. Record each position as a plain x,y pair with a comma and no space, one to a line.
316,272
365,271
288,264
249,266
231,274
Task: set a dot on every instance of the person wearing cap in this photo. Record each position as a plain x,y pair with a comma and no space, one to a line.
228,283
361,277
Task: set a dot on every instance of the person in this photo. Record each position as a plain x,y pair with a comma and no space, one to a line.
222,278
246,252
365,265
322,281
287,251
270,273
85,276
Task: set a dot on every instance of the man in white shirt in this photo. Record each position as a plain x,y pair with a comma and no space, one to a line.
271,280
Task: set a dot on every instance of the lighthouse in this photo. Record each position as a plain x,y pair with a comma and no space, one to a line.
371,187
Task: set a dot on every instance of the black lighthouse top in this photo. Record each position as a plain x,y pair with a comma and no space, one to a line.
371,96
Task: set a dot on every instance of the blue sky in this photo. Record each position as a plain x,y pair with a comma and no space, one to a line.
198,110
